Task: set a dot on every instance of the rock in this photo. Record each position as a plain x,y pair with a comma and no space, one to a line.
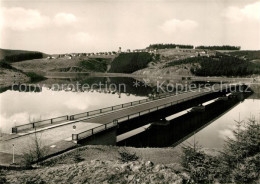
135,168
149,164
131,177
125,167
157,168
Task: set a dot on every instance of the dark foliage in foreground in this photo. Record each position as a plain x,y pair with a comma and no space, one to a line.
126,156
35,152
238,163
2,177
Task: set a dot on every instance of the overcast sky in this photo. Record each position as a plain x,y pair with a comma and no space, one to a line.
54,26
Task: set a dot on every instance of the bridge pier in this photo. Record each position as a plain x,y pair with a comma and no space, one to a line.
106,137
172,132
199,108
162,113
223,98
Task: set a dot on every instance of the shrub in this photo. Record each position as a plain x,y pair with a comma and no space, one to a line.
242,153
35,153
126,156
77,157
2,177
200,165
239,162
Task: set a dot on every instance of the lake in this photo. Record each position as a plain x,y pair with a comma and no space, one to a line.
215,134
58,97
22,105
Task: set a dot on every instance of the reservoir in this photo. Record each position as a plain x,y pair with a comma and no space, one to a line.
49,99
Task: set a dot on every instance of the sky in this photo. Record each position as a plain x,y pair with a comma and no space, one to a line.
55,26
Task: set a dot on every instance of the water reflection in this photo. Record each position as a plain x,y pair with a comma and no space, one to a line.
21,107
214,135
209,128
21,103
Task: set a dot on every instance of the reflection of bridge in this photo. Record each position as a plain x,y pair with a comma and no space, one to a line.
90,126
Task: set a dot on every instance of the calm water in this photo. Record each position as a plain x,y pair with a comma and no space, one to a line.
215,134
209,129
22,107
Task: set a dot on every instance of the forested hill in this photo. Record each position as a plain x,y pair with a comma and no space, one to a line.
221,65
223,47
19,55
169,46
131,62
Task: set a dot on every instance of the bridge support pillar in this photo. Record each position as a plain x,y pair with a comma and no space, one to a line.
106,137
199,108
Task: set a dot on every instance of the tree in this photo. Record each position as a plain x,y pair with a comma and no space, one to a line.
35,152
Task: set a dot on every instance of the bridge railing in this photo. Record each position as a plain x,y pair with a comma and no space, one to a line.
41,123
116,107
90,132
120,106
147,111
134,115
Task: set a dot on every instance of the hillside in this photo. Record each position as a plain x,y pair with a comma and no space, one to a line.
75,64
158,69
156,63
10,75
131,62
253,56
204,63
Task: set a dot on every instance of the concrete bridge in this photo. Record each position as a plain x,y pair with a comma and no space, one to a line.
100,126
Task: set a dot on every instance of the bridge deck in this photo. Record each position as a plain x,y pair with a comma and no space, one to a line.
64,133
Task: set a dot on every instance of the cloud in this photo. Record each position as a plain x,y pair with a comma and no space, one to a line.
21,19
61,19
226,133
248,12
18,18
174,25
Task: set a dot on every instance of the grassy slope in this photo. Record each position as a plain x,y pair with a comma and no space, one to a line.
76,64
10,75
168,55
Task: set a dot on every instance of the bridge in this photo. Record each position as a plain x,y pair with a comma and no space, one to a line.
59,134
